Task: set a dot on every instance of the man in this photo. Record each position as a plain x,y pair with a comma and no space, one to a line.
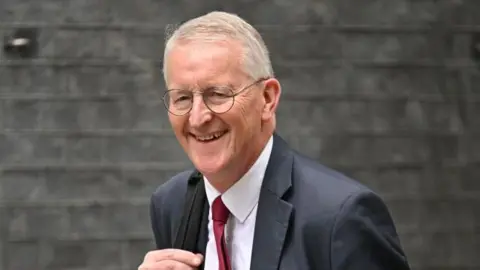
267,207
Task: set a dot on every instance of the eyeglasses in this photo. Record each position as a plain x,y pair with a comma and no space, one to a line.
218,99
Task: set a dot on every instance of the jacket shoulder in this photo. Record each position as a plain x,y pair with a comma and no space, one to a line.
166,208
169,188
331,186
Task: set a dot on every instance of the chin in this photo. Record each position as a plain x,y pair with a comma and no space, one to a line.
209,165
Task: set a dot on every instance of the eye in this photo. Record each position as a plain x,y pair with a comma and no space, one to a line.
219,92
180,96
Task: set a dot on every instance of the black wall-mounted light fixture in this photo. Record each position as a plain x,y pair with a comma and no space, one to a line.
21,43
475,48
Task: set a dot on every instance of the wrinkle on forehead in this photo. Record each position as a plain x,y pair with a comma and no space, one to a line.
204,63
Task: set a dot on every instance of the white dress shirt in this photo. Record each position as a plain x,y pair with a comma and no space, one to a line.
242,200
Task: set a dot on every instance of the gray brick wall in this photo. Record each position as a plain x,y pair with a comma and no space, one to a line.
385,91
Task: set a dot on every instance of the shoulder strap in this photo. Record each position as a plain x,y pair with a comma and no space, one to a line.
189,229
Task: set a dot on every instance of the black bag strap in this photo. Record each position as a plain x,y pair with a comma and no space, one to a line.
189,229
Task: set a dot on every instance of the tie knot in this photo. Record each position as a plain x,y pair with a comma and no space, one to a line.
219,211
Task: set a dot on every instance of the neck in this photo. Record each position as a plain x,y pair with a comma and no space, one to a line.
227,177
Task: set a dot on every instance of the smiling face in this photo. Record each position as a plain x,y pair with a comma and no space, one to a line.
219,142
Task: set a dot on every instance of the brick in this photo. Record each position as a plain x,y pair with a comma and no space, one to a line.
439,182
152,12
141,184
415,248
473,81
465,214
305,43
435,215
398,13
474,150
410,82
465,248
440,255
146,114
3,117
444,117
301,12
385,47
87,149
24,80
398,115
310,146
6,149
47,41
135,45
74,43
136,251
474,120
60,114
138,79
345,150
80,114
393,181
87,80
9,77
88,11
22,114
329,116
103,114
17,185
48,149
466,181
460,45
315,79
2,260
323,117
143,148
30,11
109,221
83,184
3,234
22,255
104,254
470,13
28,148
66,255
405,213
447,149
392,150
26,223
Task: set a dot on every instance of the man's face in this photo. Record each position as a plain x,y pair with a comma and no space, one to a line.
196,66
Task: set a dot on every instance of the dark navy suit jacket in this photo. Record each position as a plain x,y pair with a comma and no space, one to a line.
309,217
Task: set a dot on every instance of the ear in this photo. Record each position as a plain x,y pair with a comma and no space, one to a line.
271,97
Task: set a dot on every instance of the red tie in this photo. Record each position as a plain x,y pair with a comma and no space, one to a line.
220,215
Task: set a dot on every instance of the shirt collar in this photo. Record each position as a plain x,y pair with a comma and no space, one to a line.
243,196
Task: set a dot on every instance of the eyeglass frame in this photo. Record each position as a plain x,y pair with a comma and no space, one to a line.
201,92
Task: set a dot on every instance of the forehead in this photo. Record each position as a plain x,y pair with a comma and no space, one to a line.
203,62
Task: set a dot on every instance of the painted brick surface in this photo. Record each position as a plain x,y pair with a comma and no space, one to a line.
385,92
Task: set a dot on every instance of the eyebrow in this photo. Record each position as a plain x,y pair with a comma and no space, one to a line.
205,87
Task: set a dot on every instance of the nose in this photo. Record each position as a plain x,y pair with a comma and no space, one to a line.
200,114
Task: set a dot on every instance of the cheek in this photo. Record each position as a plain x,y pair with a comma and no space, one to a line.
177,124
247,118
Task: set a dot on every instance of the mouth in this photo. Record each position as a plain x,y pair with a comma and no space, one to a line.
206,138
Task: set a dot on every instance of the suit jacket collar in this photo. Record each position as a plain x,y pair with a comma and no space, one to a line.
273,214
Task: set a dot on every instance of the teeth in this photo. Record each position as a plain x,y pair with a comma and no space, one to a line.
210,136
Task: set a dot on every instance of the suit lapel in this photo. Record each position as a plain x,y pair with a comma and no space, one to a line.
203,234
273,214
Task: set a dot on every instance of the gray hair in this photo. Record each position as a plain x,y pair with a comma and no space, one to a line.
219,25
